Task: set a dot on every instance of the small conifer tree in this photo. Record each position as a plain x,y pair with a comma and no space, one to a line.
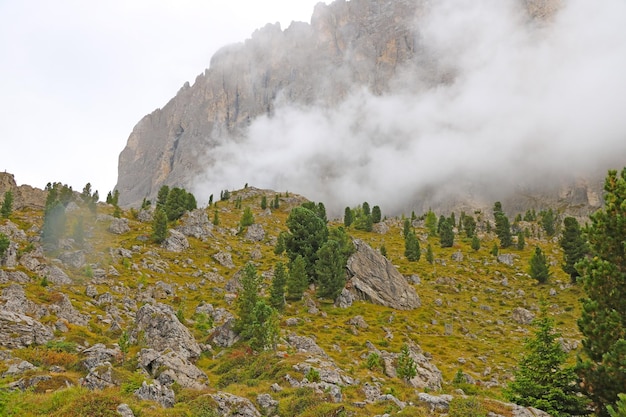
277,290
297,280
159,226
7,204
430,256
347,217
539,268
412,249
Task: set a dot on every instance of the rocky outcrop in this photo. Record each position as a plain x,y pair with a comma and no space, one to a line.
161,330
119,226
522,316
196,223
232,405
169,366
18,331
158,393
175,242
373,278
24,195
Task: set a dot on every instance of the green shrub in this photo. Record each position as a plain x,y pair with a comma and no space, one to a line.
466,407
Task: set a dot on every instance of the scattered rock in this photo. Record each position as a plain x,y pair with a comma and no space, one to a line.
196,223
170,367
522,316
255,232
124,409
98,355
175,242
232,405
345,299
436,402
74,259
267,403
53,274
64,309
359,322
119,226
145,216
156,392
506,258
414,279
224,335
373,278
18,331
305,344
100,377
225,259
162,329
457,256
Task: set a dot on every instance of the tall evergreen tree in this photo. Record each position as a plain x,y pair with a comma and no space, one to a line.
431,223
263,202
330,270
521,241
366,209
161,196
280,244
277,290
297,280
7,204
159,225
476,242
307,233
574,246
543,380
503,227
446,234
548,222
347,217
412,249
262,331
539,268
430,256
469,225
406,228
376,214
247,299
602,365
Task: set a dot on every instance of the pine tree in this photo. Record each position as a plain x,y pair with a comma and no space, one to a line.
366,209
216,218
247,300
476,242
539,268
330,270
7,204
431,223
620,407
469,226
548,222
446,234
297,280
162,196
277,290
247,218
542,379
574,247
503,227
430,256
78,233
280,244
276,201
406,367
263,203
376,214
262,330
406,228
521,241
602,365
412,249
307,233
4,244
159,226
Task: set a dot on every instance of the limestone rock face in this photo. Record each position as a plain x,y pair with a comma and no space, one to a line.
367,41
162,330
24,195
373,278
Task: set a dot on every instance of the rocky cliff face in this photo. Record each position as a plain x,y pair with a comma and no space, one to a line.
24,195
367,44
360,42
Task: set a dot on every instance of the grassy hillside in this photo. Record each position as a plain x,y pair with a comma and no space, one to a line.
465,321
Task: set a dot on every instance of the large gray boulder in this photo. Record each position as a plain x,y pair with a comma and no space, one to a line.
157,392
175,242
232,405
170,366
196,223
161,330
18,331
119,226
373,278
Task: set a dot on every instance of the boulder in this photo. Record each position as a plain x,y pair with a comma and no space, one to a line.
145,216
100,377
98,355
196,223
345,299
373,278
15,276
255,232
158,393
232,405
74,259
436,402
18,330
522,316
161,330
124,410
224,335
119,226
175,242
267,403
64,309
16,301
170,366
53,274
305,344
9,258
225,259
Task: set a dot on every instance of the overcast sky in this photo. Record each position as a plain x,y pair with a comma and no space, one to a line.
76,76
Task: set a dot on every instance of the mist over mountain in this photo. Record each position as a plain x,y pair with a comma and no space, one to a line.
410,104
